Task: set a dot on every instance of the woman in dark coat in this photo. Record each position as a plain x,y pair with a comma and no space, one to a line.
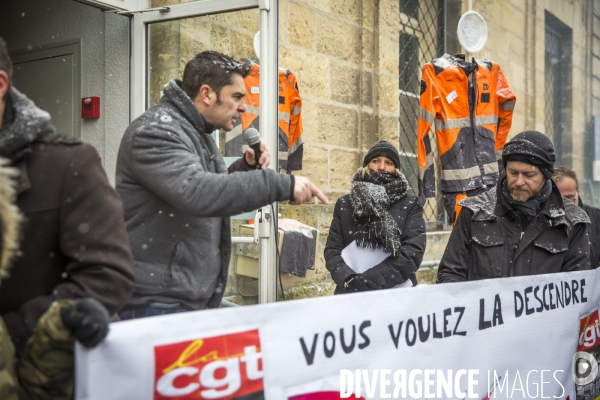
377,214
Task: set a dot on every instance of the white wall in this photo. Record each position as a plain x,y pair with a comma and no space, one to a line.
104,52
116,105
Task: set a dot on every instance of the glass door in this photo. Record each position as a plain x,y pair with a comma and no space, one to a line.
164,39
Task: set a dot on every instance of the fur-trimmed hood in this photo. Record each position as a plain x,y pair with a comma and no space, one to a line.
10,217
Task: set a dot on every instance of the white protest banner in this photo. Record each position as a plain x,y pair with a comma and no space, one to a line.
508,338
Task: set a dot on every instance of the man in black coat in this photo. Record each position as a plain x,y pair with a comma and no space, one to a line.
521,227
568,184
74,243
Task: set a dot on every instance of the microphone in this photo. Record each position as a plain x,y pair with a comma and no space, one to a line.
252,139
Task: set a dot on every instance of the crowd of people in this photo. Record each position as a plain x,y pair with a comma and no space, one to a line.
76,253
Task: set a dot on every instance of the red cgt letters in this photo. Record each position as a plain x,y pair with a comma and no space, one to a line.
222,367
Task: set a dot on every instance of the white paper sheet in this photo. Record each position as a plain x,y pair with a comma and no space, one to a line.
361,259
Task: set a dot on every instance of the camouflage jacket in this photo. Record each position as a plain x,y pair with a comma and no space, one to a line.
46,370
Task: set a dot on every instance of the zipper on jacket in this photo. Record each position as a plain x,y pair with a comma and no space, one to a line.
522,234
524,230
518,219
472,99
169,270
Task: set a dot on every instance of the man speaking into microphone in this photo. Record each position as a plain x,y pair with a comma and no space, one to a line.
178,195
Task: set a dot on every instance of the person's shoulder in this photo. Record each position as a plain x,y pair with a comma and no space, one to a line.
575,214
345,199
484,204
154,113
407,201
591,211
344,203
160,120
57,148
59,151
56,139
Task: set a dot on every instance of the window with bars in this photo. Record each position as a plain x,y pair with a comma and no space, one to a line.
409,104
558,86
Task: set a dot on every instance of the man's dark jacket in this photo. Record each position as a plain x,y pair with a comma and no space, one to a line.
74,243
486,243
178,197
593,233
393,270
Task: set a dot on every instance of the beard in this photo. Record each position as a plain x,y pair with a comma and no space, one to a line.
522,195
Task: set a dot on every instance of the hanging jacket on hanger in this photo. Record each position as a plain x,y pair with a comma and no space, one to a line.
290,118
471,106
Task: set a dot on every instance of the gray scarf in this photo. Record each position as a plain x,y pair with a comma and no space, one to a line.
371,196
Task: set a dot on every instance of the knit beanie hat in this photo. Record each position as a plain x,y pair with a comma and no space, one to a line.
531,147
385,149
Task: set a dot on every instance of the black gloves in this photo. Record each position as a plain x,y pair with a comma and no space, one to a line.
356,283
88,321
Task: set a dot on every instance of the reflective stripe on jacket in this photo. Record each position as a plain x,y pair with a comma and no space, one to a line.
471,106
290,118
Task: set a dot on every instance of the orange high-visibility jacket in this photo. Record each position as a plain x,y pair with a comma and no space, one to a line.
290,118
471,106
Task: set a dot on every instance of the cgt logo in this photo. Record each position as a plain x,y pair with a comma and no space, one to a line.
585,366
222,367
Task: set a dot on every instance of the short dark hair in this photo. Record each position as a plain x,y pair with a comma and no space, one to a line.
5,63
562,172
213,69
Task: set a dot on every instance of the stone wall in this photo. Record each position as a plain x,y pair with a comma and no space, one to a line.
517,42
592,189
594,27
345,54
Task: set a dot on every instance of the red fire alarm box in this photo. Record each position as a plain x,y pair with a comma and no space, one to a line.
90,107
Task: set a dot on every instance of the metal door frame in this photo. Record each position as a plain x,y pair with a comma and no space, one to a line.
269,10
56,50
